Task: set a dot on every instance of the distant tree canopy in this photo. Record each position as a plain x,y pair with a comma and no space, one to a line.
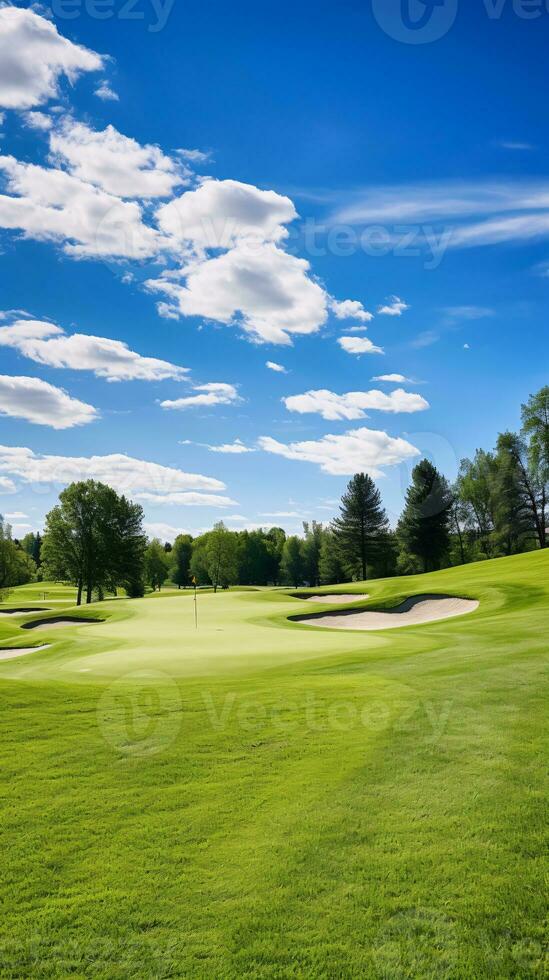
497,505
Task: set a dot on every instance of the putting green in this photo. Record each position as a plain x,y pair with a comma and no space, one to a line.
261,798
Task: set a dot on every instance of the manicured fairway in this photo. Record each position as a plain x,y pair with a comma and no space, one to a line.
260,798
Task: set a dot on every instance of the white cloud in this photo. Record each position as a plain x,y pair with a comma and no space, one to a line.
282,513
185,499
352,404
44,404
237,447
352,452
48,204
6,485
262,289
46,343
468,312
113,162
125,473
193,156
518,209
106,93
220,213
359,345
395,307
274,366
34,56
38,120
393,378
350,309
17,515
515,145
466,347
212,393
166,532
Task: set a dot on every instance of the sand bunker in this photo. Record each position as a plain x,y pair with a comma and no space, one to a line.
21,611
9,653
336,599
417,609
57,622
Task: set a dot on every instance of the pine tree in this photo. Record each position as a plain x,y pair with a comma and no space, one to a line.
423,527
361,529
292,566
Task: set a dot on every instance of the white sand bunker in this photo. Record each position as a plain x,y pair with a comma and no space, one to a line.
415,610
9,653
336,599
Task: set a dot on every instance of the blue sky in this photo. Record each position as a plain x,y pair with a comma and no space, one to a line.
221,186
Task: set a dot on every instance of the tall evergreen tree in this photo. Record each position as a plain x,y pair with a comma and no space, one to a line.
535,428
423,527
362,526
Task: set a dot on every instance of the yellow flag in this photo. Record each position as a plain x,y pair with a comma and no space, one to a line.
193,580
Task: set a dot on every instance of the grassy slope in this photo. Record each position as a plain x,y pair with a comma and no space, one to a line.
275,800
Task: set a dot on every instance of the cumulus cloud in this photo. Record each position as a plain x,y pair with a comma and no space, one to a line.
274,366
262,289
44,404
6,485
125,473
113,162
47,343
166,532
352,404
394,307
351,452
350,309
212,393
34,56
359,345
106,93
220,213
193,156
392,378
51,205
236,448
38,120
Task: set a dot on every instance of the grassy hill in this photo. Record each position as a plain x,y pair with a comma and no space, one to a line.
260,798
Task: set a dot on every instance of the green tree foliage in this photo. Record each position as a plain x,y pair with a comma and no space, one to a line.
362,527
475,491
16,566
331,567
311,550
292,566
93,539
180,560
156,564
221,556
32,545
423,529
535,429
514,526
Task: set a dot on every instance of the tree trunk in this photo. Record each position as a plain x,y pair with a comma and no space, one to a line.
89,593
79,593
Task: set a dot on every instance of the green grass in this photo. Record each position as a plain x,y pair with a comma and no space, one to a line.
263,799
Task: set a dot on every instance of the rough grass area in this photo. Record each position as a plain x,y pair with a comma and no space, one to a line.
261,799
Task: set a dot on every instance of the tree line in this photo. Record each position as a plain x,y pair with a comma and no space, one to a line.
94,538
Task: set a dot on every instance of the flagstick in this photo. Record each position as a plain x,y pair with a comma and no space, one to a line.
195,609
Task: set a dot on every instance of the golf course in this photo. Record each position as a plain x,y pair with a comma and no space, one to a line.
249,795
